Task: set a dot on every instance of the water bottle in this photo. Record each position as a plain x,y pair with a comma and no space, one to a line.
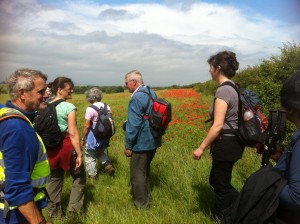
248,114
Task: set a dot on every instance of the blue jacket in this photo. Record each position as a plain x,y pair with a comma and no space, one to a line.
138,134
20,146
290,195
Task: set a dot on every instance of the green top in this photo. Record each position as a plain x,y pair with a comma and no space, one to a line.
63,110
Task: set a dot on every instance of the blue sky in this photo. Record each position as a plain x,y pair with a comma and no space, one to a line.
98,42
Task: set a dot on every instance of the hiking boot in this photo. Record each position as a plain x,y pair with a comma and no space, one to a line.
54,211
93,177
109,169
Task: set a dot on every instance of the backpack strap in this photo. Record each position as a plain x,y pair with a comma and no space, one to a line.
56,102
95,108
240,116
99,109
146,116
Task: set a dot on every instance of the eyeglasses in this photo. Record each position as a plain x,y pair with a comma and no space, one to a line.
129,81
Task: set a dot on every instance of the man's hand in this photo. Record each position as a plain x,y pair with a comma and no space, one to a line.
127,152
32,214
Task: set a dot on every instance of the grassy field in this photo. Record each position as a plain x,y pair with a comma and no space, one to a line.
180,189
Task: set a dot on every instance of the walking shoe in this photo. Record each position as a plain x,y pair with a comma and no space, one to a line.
54,212
109,169
93,177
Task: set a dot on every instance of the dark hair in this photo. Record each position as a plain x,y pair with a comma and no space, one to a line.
60,82
227,61
290,93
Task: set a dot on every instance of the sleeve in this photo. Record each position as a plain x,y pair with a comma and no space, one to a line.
290,195
69,107
19,146
223,93
89,114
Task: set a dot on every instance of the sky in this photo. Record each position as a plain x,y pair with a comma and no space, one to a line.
96,42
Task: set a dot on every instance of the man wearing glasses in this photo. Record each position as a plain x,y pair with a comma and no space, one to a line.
140,144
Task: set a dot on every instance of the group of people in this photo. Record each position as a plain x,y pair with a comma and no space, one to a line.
32,177
30,174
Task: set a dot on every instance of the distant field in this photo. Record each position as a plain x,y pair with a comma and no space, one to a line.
3,97
180,189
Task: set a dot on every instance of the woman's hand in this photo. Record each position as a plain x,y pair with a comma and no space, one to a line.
198,153
78,162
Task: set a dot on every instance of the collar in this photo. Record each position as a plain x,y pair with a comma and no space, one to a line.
137,89
29,115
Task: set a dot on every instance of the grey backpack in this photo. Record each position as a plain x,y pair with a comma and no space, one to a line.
105,126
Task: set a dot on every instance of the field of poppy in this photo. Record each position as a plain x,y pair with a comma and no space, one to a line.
180,189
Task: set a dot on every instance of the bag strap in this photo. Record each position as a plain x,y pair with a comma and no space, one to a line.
56,102
95,108
146,116
240,116
99,109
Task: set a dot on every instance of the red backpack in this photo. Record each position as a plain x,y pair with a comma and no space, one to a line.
160,114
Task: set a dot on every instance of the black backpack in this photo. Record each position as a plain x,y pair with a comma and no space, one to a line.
46,125
105,126
259,198
160,115
251,133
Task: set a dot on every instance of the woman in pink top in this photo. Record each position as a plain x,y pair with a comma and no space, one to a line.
94,146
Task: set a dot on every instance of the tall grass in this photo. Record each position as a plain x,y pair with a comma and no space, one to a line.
180,189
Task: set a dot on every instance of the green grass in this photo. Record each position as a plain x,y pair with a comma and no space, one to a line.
180,189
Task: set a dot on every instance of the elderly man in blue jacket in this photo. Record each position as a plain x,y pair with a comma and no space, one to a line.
140,144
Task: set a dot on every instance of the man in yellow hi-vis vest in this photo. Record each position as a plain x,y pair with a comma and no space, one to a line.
24,167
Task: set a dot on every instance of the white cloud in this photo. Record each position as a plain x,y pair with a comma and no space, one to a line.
98,44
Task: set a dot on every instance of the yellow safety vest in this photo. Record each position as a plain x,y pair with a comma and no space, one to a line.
41,172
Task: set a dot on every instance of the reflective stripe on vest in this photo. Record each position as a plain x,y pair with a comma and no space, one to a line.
40,175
